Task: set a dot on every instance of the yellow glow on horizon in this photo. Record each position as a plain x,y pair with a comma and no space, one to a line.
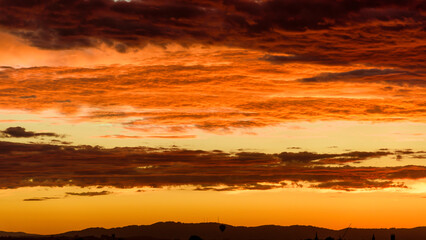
249,208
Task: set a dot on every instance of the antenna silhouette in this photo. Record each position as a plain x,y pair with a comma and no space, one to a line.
344,234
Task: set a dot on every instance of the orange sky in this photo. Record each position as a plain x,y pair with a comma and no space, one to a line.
199,110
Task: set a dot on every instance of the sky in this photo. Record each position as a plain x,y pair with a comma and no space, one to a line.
244,112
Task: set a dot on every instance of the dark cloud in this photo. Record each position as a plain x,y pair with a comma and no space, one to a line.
57,24
263,186
372,75
321,31
39,199
306,158
29,96
55,141
79,194
293,147
20,132
6,67
348,185
359,73
88,194
312,59
25,165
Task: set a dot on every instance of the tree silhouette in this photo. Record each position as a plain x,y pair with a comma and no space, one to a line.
195,237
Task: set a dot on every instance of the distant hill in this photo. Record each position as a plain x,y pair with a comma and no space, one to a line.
16,234
210,231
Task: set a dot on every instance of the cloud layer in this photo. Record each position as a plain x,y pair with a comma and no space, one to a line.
312,31
243,63
26,165
242,94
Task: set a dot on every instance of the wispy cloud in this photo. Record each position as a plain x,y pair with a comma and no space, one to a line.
88,194
211,99
148,136
39,199
77,194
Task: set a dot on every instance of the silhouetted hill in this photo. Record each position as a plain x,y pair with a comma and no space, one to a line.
16,234
210,231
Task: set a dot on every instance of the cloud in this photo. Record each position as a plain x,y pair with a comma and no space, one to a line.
88,194
348,185
26,165
78,194
219,99
20,132
55,141
256,186
306,158
359,73
149,136
29,96
371,75
382,32
39,199
240,64
312,59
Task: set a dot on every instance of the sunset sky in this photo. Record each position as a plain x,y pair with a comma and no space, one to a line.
245,112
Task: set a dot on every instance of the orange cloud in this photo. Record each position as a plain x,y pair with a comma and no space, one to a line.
222,65
218,98
151,136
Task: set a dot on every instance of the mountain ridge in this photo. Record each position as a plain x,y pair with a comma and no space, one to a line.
17,234
211,231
